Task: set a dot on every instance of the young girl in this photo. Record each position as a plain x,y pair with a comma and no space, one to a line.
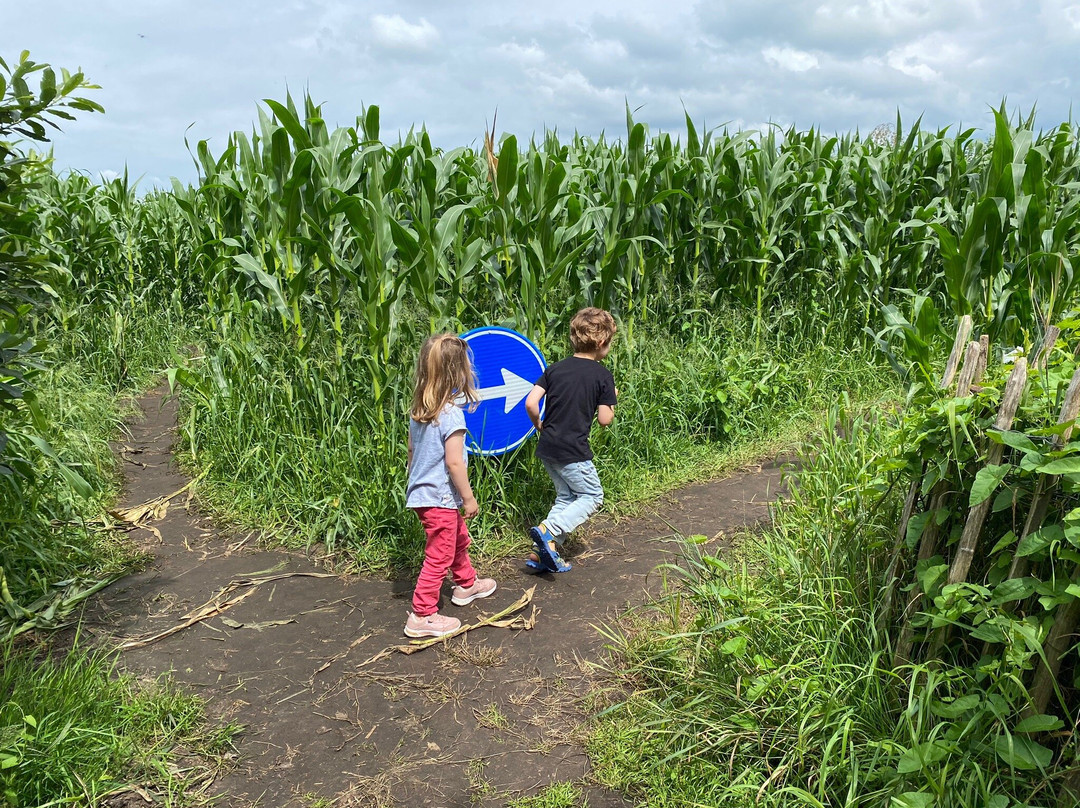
439,487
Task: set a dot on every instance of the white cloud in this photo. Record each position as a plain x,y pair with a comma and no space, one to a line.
568,85
928,58
790,59
605,49
907,62
520,54
395,32
568,64
1061,19
880,17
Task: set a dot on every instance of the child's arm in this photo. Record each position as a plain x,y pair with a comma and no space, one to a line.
532,405
409,467
605,413
459,473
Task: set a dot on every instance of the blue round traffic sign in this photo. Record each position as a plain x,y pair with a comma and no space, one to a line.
507,365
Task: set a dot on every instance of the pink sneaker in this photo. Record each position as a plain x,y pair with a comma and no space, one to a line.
434,625
481,588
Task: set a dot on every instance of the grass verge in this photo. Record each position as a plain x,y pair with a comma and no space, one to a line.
73,728
74,731
761,679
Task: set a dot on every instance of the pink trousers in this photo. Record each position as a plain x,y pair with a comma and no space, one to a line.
447,548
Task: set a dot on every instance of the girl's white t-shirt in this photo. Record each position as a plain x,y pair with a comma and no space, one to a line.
429,480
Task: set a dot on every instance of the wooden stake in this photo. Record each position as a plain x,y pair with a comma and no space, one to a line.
1050,339
1010,400
984,356
962,331
1058,641
927,547
928,544
1070,408
967,372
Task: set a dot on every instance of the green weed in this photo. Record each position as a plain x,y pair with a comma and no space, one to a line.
73,730
557,795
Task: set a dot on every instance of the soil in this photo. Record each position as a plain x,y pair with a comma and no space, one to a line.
477,720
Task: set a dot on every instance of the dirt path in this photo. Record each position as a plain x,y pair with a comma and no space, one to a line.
477,721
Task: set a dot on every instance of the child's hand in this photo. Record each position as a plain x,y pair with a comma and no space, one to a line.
470,508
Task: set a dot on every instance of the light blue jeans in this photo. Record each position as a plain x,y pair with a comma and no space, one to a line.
578,494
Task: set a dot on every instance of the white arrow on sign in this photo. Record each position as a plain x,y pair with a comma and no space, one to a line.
513,389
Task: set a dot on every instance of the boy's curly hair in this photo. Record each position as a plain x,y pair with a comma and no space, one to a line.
591,329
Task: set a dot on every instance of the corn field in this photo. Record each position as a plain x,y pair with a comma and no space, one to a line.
314,260
309,227
756,278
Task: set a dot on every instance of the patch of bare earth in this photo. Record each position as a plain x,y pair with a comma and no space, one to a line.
275,643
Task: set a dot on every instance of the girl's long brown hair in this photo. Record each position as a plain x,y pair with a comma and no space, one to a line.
443,373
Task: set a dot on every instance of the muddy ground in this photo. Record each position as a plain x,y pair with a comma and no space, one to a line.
475,721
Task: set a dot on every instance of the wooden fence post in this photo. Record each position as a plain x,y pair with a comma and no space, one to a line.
962,332
938,497
1070,408
1058,641
1010,400
968,371
984,357
1042,356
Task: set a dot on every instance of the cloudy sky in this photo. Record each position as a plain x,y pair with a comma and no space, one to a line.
170,67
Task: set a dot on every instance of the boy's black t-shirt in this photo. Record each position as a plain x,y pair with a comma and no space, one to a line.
575,387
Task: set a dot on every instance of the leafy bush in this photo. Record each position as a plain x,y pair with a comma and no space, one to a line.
770,679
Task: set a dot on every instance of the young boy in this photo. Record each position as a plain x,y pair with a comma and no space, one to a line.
577,388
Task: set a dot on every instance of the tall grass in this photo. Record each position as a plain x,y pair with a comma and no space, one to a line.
308,262
325,469
761,679
73,730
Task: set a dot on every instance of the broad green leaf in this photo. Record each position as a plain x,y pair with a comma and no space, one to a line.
921,755
254,269
990,631
1039,540
1003,542
371,123
986,482
956,708
1017,440
1004,500
1039,723
735,647
507,172
915,527
290,122
1065,465
912,799
1049,431
1013,589
929,575
1022,753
